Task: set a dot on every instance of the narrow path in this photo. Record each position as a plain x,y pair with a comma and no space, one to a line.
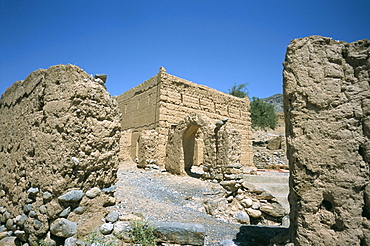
165,197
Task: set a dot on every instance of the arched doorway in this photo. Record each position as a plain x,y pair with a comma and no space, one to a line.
190,145
190,142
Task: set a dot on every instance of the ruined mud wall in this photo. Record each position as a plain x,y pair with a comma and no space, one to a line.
180,97
327,110
165,100
60,130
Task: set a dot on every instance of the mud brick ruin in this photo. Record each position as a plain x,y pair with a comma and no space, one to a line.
327,113
171,122
60,132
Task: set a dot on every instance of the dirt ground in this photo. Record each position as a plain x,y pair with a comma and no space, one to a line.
160,196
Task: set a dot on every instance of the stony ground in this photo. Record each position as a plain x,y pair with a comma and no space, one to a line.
159,196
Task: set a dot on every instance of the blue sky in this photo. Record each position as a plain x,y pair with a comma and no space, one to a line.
217,43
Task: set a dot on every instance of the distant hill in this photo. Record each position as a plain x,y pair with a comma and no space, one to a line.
276,101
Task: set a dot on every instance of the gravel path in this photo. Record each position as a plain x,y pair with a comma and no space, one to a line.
164,197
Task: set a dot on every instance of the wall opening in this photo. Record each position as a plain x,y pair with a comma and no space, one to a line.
191,148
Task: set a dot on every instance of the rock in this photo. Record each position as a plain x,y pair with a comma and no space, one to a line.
21,235
109,202
8,241
37,224
75,161
20,220
109,190
42,209
92,193
80,210
253,213
274,143
106,228
228,242
65,212
122,230
46,196
10,224
128,217
71,241
247,202
32,214
112,217
242,217
71,196
3,234
273,209
265,196
285,221
33,191
27,208
63,228
2,193
181,233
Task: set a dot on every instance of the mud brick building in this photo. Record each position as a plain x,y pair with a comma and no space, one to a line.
153,109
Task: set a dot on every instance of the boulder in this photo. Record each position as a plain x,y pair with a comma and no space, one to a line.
63,228
181,233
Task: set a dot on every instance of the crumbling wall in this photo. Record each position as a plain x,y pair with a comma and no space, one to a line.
327,110
60,130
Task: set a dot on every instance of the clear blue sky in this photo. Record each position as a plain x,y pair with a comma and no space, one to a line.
213,42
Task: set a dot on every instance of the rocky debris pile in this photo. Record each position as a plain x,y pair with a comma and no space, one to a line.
52,221
269,150
250,206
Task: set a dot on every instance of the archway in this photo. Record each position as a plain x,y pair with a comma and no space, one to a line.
189,142
190,147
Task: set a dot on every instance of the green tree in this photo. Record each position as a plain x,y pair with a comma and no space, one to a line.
262,114
239,90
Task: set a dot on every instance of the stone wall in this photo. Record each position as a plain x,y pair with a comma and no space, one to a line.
327,110
60,130
165,100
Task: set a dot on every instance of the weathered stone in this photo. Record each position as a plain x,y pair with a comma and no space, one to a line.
112,217
71,196
8,241
65,212
43,209
71,241
247,202
92,193
110,201
106,228
273,209
182,233
21,235
242,217
80,210
20,221
109,190
63,228
274,143
33,191
123,230
46,196
326,96
27,208
32,214
253,213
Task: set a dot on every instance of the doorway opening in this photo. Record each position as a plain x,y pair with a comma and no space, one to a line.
193,147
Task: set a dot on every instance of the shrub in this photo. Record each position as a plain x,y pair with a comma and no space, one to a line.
239,90
143,233
262,114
